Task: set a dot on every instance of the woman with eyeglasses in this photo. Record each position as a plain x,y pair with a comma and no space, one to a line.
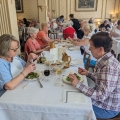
13,69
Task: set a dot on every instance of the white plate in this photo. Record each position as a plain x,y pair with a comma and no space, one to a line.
68,82
72,48
69,44
56,42
75,62
40,74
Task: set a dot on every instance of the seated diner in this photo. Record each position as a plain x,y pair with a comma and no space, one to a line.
106,76
13,69
42,36
32,45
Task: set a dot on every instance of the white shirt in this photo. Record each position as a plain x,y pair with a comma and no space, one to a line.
115,30
87,46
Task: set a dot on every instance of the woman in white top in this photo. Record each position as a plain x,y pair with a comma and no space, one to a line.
88,30
115,33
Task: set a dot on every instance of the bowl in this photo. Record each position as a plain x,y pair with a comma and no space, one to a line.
56,66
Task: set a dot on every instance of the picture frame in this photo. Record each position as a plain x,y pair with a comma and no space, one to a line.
19,6
86,5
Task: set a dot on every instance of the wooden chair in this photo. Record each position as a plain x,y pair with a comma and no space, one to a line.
115,118
88,62
23,55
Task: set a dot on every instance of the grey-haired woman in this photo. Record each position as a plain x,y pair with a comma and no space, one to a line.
12,68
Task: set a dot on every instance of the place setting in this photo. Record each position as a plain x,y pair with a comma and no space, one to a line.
70,95
32,77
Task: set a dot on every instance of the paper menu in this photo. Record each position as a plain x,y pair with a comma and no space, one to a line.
73,97
56,54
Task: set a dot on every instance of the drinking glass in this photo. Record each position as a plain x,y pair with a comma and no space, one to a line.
46,73
58,81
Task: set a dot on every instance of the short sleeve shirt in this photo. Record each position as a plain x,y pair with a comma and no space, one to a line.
40,35
32,45
5,73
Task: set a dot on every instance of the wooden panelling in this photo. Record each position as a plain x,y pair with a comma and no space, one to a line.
4,18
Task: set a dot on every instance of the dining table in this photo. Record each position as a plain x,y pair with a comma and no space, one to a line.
51,102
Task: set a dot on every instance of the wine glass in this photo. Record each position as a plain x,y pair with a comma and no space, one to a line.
50,67
58,81
46,73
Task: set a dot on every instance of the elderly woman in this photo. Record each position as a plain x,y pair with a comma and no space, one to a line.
32,45
13,69
88,30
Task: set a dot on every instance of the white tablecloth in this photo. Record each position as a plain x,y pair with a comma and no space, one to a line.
35,103
116,46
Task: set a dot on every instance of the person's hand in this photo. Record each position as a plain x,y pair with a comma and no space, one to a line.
32,56
46,48
74,79
29,68
58,40
69,38
82,71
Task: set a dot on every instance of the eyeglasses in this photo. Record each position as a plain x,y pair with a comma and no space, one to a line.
14,49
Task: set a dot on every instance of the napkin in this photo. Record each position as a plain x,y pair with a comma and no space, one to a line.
73,97
16,67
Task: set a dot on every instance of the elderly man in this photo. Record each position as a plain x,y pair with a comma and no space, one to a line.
106,93
104,26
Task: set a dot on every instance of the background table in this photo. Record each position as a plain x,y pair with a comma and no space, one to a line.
116,46
35,103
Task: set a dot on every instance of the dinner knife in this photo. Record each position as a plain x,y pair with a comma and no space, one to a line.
39,82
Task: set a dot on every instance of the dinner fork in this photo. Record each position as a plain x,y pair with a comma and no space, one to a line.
39,82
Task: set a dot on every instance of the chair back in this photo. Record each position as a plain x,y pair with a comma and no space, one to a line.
24,56
86,60
68,35
27,51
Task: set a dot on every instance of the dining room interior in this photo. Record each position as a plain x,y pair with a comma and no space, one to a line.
59,59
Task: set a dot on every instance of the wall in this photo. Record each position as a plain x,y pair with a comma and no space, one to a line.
104,9
30,10
64,7
8,19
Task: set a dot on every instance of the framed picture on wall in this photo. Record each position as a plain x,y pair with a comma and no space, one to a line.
86,5
19,6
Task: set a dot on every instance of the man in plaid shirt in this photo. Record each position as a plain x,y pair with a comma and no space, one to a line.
106,93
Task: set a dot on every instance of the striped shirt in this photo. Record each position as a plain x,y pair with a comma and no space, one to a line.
106,93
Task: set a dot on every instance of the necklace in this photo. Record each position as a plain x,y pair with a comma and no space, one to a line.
7,59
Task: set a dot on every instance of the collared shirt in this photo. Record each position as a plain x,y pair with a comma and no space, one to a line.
5,73
106,93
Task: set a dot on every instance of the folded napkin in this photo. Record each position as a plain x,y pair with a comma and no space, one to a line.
73,97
